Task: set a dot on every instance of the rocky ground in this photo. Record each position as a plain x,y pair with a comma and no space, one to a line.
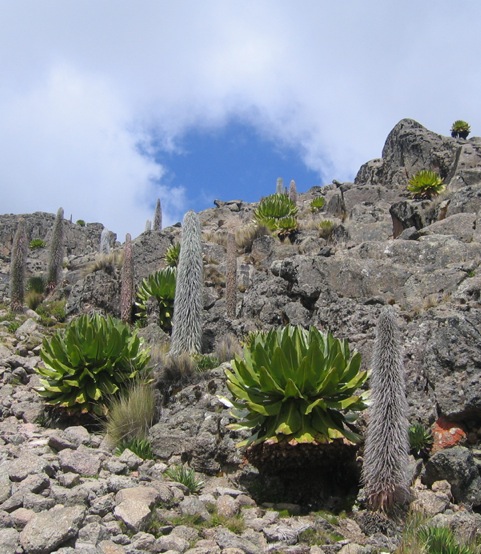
62,489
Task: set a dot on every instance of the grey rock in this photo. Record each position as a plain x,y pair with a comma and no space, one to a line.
26,465
171,543
9,541
134,506
84,461
5,486
457,466
192,506
227,506
48,530
227,539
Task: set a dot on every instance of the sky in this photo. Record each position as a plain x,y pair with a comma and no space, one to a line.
108,105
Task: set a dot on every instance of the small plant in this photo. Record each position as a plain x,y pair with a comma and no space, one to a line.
296,385
420,440
317,204
35,244
131,414
172,255
51,312
441,540
186,476
278,213
460,129
141,447
33,299
93,358
326,228
80,222
160,285
425,184
157,226
246,235
205,362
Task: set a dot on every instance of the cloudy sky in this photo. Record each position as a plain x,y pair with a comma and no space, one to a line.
108,105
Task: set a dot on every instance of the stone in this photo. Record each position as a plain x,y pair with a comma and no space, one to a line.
457,466
171,542
26,465
83,461
134,506
227,506
47,531
192,506
5,486
9,541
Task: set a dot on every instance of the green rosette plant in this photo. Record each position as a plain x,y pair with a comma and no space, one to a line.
172,254
460,129
296,386
89,361
317,204
425,184
278,213
161,286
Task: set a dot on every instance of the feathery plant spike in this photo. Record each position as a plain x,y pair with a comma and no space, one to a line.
148,225
54,270
231,276
280,185
293,191
127,282
17,267
104,241
186,326
387,445
158,216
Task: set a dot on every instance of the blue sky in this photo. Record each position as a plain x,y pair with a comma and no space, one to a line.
232,162
106,106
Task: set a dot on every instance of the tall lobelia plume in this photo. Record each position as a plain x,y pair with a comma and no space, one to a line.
158,216
186,325
148,226
386,452
54,270
280,185
17,267
293,191
231,276
104,247
127,282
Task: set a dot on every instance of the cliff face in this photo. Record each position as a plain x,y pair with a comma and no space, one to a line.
429,270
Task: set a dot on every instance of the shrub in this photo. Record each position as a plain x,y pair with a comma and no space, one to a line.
317,204
33,299
80,222
326,228
386,451
425,184
36,243
188,302
105,262
172,255
278,213
295,385
420,440
36,283
51,312
226,348
161,286
17,267
460,129
131,414
93,358
186,476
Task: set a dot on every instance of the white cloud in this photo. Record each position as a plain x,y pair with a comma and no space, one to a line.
87,86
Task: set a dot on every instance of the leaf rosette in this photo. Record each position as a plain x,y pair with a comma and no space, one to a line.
161,286
90,360
298,386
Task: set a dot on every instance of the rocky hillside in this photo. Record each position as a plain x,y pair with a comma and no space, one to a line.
62,490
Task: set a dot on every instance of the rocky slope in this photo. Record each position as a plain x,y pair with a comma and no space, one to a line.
62,489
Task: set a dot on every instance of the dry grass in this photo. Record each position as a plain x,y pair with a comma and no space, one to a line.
131,415
106,262
246,235
226,348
